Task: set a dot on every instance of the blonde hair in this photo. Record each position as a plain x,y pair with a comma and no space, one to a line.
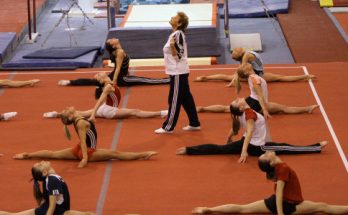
183,20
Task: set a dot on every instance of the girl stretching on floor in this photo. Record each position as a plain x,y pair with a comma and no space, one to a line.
54,197
258,99
86,150
253,58
287,198
109,97
120,74
10,83
253,141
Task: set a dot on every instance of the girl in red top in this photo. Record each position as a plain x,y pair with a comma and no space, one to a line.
287,198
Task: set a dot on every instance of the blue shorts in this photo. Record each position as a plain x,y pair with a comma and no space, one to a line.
42,210
288,208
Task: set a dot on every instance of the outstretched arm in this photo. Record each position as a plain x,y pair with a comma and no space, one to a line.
52,205
82,127
107,89
247,138
279,196
262,101
119,60
247,57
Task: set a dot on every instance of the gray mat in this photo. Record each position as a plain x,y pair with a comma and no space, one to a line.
61,52
142,43
275,49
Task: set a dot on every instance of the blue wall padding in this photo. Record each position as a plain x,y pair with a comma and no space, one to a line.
6,41
255,8
61,52
142,43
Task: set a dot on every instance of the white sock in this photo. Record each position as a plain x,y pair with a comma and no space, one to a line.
52,114
9,115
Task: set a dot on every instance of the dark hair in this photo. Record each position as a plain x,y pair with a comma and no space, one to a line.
111,51
235,112
98,92
65,120
184,21
265,166
37,176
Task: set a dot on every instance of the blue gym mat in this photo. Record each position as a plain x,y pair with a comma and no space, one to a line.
256,8
142,43
6,41
61,52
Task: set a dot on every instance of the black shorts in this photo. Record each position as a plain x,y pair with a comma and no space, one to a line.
259,73
42,210
254,104
288,208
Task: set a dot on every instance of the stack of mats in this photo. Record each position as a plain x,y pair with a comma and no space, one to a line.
256,8
146,28
7,40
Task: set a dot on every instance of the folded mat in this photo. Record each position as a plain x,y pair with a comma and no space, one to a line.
256,8
61,52
142,43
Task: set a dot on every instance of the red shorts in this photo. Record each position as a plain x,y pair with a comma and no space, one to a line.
78,152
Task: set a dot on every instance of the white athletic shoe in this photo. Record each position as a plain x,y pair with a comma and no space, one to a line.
191,128
164,113
162,131
9,115
63,82
52,114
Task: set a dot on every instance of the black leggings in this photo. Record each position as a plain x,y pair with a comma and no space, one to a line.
123,80
253,150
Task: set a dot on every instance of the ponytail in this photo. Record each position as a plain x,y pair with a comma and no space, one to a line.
235,113
111,51
265,166
66,121
37,176
237,84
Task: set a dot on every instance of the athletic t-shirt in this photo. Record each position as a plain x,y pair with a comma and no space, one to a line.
258,135
292,189
176,65
257,80
55,185
113,99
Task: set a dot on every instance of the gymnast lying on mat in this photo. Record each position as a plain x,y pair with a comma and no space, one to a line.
10,83
244,57
53,197
253,141
7,116
287,198
258,99
109,97
120,74
86,150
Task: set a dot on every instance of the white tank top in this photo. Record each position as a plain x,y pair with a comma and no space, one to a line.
258,135
257,64
257,80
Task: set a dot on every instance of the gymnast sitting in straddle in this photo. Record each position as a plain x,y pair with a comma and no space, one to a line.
86,149
109,97
120,74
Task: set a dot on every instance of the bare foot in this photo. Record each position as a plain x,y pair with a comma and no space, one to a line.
34,81
1,155
200,79
181,151
201,210
310,77
323,143
312,108
21,156
150,154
